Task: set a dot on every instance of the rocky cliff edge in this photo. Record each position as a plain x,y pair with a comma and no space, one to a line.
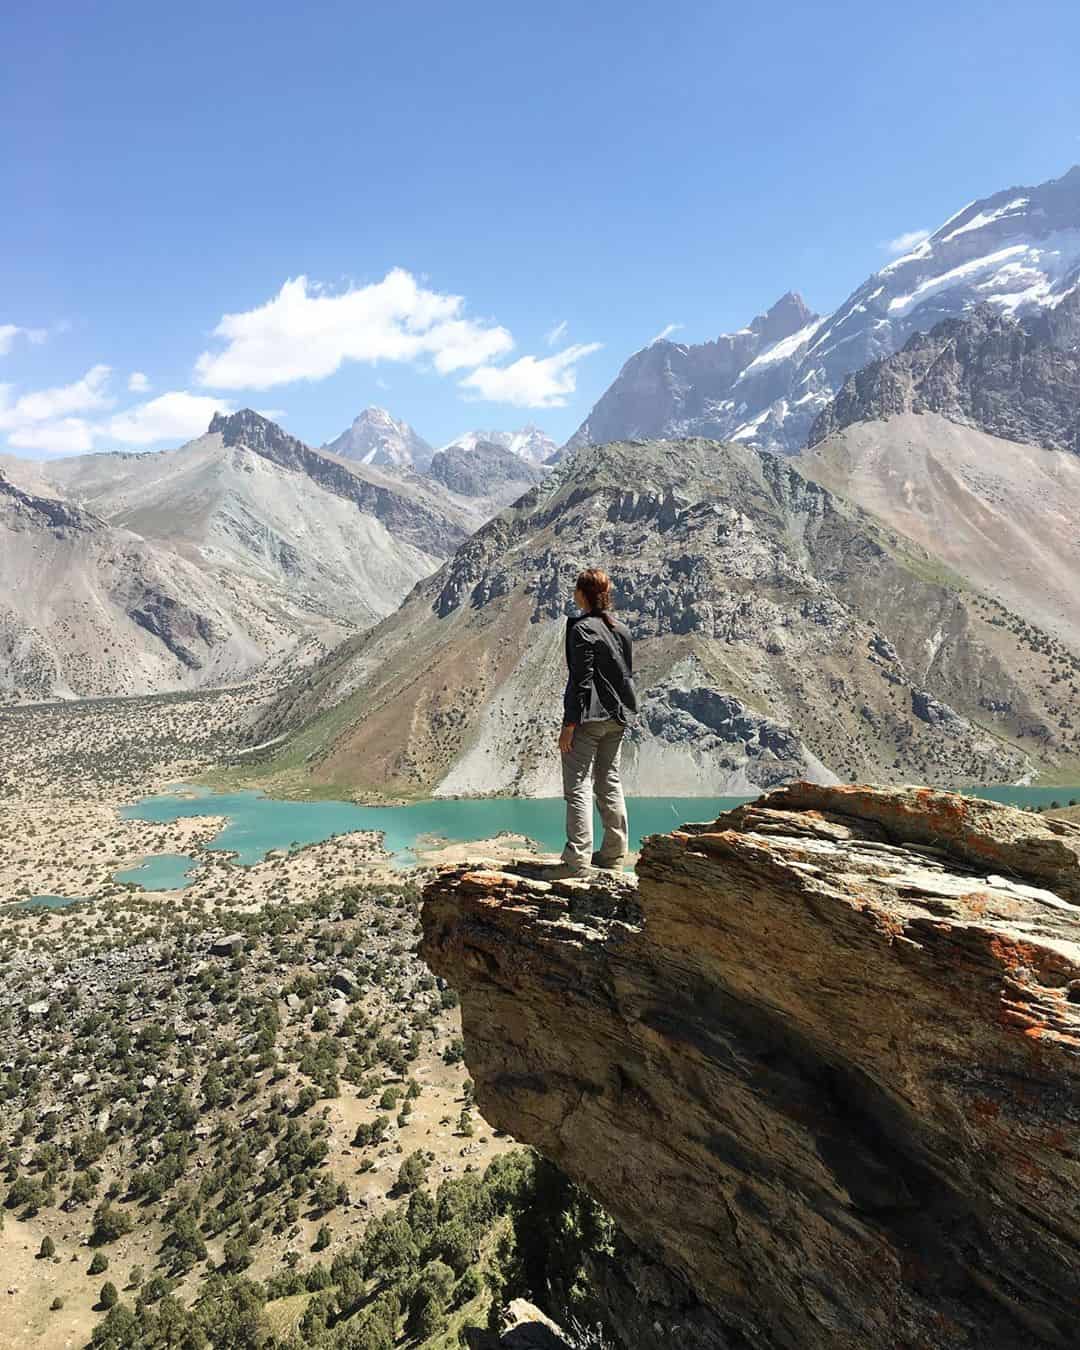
820,1060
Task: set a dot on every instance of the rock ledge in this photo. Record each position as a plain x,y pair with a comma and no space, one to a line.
820,1060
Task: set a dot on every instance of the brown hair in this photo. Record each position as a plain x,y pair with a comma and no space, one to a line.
595,586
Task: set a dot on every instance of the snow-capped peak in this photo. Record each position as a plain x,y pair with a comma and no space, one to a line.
528,442
375,437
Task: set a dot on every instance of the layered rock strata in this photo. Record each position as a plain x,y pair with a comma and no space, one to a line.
820,1059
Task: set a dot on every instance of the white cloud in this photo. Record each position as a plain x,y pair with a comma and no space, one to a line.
530,382
10,331
665,332
306,333
555,335
47,405
176,416
54,421
903,242
138,382
67,436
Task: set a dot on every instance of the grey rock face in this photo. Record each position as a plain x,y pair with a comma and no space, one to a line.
415,521
482,469
752,749
1017,251
987,371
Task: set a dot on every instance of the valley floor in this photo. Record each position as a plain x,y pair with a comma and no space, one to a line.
245,1108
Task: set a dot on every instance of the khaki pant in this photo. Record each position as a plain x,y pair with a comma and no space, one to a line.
594,754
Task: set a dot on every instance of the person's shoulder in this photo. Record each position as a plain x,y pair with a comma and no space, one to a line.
621,627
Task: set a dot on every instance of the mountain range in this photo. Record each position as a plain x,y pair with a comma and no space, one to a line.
376,437
896,603
781,632
1017,251
242,551
886,593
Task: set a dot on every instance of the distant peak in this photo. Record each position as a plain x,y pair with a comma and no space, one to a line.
785,317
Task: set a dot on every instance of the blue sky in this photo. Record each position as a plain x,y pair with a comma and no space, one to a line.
578,176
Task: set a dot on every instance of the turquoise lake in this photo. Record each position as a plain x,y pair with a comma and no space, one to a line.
162,872
49,902
257,824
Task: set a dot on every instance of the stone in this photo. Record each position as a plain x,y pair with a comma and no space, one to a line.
822,1067
344,981
227,946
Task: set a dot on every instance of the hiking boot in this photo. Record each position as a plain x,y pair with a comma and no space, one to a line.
565,872
609,864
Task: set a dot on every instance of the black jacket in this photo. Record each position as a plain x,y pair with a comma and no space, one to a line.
600,662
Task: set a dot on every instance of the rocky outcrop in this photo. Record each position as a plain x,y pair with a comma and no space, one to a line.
737,752
986,371
820,1059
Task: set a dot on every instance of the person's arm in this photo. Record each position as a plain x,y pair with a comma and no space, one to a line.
580,658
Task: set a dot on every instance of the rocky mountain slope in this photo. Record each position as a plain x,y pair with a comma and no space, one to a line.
781,633
987,371
945,440
841,1115
242,550
376,438
88,608
1000,513
484,469
1017,251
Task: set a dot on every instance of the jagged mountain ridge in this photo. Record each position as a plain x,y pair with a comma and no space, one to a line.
376,437
273,551
677,388
1017,250
780,633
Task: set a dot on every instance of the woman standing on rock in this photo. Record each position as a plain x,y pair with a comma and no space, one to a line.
598,705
